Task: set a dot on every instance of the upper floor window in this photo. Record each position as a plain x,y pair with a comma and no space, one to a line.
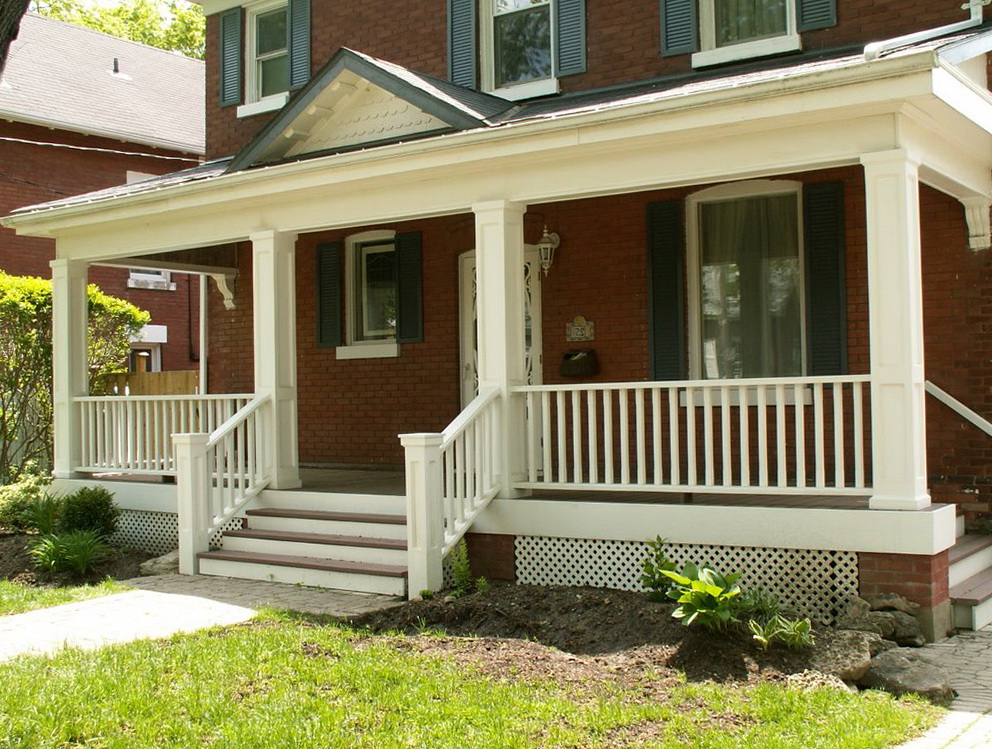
268,55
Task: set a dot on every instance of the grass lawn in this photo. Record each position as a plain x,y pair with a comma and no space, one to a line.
282,682
16,599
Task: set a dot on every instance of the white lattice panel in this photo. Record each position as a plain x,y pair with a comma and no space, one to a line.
157,532
814,583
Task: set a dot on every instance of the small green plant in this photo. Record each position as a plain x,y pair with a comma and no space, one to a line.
42,514
16,499
654,567
77,552
758,604
704,596
90,508
793,633
481,586
461,570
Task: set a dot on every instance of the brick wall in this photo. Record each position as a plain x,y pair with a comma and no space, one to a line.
623,44
919,578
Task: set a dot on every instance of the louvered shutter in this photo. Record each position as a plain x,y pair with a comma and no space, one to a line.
409,288
329,295
298,44
666,290
230,57
826,306
679,33
570,52
816,14
462,47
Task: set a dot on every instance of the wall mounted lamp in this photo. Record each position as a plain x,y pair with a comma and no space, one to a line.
546,247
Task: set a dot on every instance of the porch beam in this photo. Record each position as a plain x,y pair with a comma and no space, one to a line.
895,313
69,364
499,243
274,319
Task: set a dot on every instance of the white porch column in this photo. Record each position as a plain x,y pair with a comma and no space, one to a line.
274,295
895,314
69,363
499,245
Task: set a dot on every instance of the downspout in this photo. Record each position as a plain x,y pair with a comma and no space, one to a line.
875,49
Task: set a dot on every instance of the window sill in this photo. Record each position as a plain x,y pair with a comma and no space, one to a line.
268,104
156,285
746,50
544,87
368,351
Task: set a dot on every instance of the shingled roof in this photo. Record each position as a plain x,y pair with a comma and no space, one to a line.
73,78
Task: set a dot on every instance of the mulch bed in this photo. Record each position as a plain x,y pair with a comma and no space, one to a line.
15,565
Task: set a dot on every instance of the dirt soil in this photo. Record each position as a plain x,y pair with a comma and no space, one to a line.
581,634
15,564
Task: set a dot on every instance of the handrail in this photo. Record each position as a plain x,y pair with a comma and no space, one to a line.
462,422
754,382
959,408
232,423
163,398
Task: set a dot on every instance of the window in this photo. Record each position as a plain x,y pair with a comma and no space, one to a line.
146,278
373,285
746,282
268,54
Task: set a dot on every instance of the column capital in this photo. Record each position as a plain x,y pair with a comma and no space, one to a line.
498,206
893,156
271,235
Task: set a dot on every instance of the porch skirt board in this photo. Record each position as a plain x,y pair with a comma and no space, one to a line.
157,532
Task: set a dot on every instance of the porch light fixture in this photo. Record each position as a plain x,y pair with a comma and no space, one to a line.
546,247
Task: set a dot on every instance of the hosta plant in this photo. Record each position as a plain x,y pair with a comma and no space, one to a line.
705,597
653,569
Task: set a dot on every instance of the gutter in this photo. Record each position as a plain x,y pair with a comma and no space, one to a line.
874,50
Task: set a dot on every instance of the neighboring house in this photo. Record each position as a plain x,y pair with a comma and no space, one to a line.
82,111
771,231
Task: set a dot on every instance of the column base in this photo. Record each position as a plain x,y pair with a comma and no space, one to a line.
880,502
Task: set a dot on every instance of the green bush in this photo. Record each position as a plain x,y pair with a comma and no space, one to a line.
17,500
42,514
461,573
654,567
77,552
90,508
705,597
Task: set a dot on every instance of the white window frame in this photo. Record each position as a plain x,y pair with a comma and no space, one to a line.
146,278
710,54
487,59
354,348
732,191
254,102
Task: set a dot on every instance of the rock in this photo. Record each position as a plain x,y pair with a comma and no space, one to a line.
904,670
809,680
861,618
879,645
893,602
167,564
907,630
844,653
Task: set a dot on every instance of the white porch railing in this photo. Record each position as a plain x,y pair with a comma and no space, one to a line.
133,434
700,436
217,474
451,477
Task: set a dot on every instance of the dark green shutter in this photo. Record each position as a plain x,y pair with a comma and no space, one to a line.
666,290
329,295
570,52
679,34
298,44
826,304
816,14
409,288
230,57
462,48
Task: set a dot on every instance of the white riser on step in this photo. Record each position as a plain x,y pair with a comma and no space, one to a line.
959,526
973,617
970,565
329,527
394,586
317,551
332,502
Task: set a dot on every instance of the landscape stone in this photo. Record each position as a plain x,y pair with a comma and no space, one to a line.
844,653
907,630
167,564
903,670
893,602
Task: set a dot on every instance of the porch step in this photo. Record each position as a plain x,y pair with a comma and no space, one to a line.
972,601
366,577
383,504
363,524
318,545
969,556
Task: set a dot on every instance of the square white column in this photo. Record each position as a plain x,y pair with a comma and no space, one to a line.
499,249
70,378
895,315
274,296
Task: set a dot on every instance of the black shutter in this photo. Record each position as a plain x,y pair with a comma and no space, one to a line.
666,290
462,49
298,44
230,57
816,14
409,288
826,304
570,52
679,32
329,295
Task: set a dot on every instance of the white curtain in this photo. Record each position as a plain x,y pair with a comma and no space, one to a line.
744,20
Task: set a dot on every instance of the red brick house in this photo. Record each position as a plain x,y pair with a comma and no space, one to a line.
98,113
704,269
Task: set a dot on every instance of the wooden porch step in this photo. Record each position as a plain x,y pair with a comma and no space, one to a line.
331,516
969,556
968,545
397,544
329,565
328,522
972,601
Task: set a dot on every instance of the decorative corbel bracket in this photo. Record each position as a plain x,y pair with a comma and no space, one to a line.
224,283
976,213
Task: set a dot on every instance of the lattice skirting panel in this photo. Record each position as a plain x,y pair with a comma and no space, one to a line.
157,532
816,584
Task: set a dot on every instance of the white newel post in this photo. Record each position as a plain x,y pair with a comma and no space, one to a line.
274,294
499,250
424,514
193,490
895,313
69,366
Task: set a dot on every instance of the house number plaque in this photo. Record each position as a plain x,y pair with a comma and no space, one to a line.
580,329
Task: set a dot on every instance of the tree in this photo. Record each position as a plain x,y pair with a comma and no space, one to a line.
175,25
26,362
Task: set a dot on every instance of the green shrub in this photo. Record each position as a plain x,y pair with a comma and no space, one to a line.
17,499
793,633
90,508
654,567
77,552
757,604
42,514
705,597
461,570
